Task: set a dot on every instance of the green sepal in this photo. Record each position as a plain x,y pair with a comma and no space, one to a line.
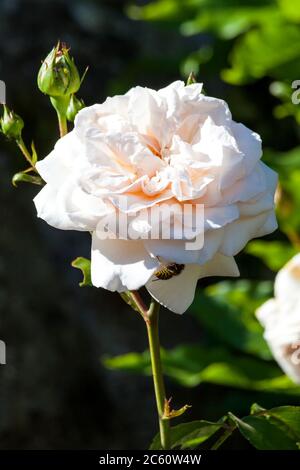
191,79
128,299
84,265
24,177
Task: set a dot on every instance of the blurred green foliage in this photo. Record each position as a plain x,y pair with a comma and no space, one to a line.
248,52
191,365
263,39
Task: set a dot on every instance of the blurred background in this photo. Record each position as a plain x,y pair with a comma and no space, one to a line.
76,375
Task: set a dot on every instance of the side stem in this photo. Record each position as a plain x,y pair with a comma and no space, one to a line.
25,151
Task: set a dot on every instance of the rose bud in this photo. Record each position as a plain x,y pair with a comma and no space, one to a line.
280,317
75,105
58,75
11,124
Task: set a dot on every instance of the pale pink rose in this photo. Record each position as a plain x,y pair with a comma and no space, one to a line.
149,148
280,317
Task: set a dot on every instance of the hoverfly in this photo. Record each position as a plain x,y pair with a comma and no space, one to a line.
167,271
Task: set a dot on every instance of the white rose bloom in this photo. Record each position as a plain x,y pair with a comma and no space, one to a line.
148,148
281,319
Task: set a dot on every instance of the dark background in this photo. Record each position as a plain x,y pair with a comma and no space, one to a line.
54,392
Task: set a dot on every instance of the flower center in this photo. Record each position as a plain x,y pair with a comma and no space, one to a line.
155,151
162,153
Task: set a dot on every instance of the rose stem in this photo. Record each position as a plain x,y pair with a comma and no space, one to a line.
158,380
151,317
60,104
62,123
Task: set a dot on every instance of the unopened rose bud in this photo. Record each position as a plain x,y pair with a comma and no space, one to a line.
58,75
75,105
11,124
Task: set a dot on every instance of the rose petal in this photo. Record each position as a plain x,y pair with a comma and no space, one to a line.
65,158
178,293
238,233
70,208
120,265
249,143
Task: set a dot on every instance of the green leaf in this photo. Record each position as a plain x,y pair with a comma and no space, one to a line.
287,164
181,10
264,433
189,435
274,429
283,91
255,409
130,362
161,10
273,50
287,417
24,177
227,309
192,365
84,265
283,162
290,9
228,22
275,254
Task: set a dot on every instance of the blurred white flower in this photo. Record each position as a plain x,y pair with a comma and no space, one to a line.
146,148
281,319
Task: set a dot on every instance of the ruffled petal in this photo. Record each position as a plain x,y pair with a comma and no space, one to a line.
68,207
147,112
119,265
249,144
49,209
255,184
219,143
65,158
